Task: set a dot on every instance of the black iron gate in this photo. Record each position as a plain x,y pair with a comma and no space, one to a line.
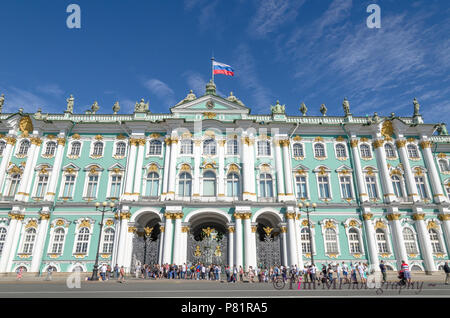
268,246
210,247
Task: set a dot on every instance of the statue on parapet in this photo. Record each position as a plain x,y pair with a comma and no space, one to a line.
141,107
416,107
346,106
278,109
95,107
2,101
70,104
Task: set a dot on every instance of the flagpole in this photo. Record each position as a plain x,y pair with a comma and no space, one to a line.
212,68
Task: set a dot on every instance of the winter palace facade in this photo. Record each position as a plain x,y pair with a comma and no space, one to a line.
211,182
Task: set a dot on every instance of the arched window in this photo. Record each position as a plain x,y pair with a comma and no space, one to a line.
116,184
412,151
298,150
389,149
152,185
381,241
24,146
302,189
319,150
187,147
416,268
121,149
78,269
41,187
3,232
2,147
82,242
331,244
28,242
233,185
155,148
98,149
365,151
232,147
209,184
396,184
340,151
443,165
353,239
92,185
108,241
58,241
14,185
305,239
263,148
209,147
185,185
265,185
410,242
50,149
76,147
435,242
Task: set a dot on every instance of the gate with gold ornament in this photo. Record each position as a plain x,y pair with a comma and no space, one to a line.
268,247
145,246
207,246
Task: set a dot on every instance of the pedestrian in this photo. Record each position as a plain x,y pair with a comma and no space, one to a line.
108,272
345,272
405,270
339,272
383,270
103,272
241,273
235,273
122,275
447,273
19,273
49,273
116,271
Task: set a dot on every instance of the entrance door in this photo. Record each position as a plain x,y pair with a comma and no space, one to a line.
207,246
268,247
145,247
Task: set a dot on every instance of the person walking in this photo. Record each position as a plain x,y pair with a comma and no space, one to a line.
345,272
447,273
405,270
383,270
122,275
241,273
116,271
103,272
49,273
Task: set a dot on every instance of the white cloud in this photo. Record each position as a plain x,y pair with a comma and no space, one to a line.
161,90
50,89
16,98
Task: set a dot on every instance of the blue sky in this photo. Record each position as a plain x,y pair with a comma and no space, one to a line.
311,51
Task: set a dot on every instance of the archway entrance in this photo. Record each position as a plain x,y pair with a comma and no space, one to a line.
146,241
207,241
268,242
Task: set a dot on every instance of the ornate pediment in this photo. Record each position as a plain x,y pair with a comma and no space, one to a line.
209,104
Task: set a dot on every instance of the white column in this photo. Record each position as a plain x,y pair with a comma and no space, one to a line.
247,241
173,168
166,169
167,249
183,246
177,239
299,242
116,242
15,219
292,258
26,180
221,153
10,142
196,176
371,240
16,238
39,243
252,179
444,216
130,170
284,246
359,175
432,172
425,243
253,237
238,241
248,152
231,231
410,182
397,237
56,170
121,251
287,171
386,182
161,245
129,248
138,169
280,174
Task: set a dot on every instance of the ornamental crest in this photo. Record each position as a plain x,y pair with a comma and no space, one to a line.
26,125
387,130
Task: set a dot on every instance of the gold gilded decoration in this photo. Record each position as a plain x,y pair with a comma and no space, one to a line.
393,217
85,223
411,139
357,255
54,255
120,137
379,225
184,229
353,223
104,255
98,137
36,141
301,171
354,143
209,166
132,229
208,231
26,125
364,139
93,170
318,139
340,139
442,156
426,144
231,229
246,216
10,140
332,255
148,230
254,228
290,215
268,230
432,225
412,255
209,115
439,255
283,229
155,136
265,168
31,223
233,168
210,134
152,168
418,216
329,225
237,216
385,255
400,143
197,251
308,255
45,216
15,170
368,216
218,252
378,143
322,171
60,223
418,172
61,141
297,138
387,130
444,217
185,168
76,136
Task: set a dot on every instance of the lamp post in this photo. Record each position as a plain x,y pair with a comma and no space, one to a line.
307,207
103,207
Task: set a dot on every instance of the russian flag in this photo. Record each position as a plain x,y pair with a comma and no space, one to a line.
220,68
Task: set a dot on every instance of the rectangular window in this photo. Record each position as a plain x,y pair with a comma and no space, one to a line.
41,186
68,186
302,191
420,182
371,187
324,188
116,182
92,187
346,187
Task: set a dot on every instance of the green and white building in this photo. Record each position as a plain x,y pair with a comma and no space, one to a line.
381,187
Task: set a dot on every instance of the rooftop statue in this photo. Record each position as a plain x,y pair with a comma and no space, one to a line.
303,109
375,118
189,98
70,103
116,108
95,107
234,99
442,129
323,110
141,107
38,114
416,107
278,109
210,88
346,106
2,101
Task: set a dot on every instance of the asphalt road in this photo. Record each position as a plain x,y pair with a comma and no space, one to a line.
208,289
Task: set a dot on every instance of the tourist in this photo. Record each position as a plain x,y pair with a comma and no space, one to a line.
330,273
183,271
116,271
103,272
353,274
339,272
203,271
345,272
405,270
122,275
447,273
251,274
49,273
108,272
312,272
241,274
383,270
